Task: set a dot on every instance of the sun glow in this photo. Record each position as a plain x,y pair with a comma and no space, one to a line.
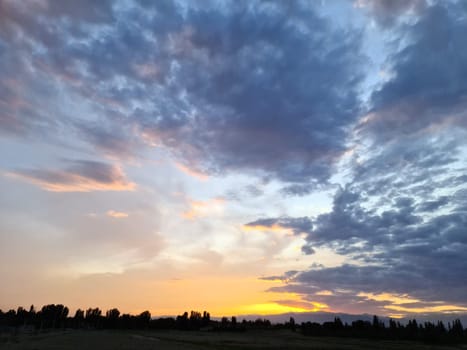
269,309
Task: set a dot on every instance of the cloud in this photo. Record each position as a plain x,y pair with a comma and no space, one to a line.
387,12
76,236
193,173
199,208
426,92
254,114
299,189
114,141
117,214
295,225
79,176
267,88
285,277
398,218
401,225
21,113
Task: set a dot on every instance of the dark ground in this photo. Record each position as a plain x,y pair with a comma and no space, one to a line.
170,340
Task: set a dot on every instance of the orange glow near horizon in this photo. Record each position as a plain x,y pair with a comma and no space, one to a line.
269,309
220,296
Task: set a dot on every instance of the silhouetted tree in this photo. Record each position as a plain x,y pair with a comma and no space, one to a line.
292,324
182,321
377,324
224,322
111,317
412,329
78,319
457,330
206,318
143,319
93,317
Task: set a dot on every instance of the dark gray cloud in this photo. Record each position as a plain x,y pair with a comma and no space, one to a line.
427,89
399,219
284,277
403,226
433,205
282,115
297,225
302,189
268,87
78,176
117,141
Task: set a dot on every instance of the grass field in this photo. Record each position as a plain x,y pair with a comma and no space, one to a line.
170,340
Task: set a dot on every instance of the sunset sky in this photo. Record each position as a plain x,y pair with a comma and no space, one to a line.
240,157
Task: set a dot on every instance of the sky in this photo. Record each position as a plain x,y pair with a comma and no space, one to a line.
240,157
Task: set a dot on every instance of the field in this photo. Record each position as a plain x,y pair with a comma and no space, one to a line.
171,340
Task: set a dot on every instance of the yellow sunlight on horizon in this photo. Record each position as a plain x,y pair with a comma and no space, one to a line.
223,296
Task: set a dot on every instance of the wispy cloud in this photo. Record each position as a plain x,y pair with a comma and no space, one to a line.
204,208
79,176
192,172
117,214
287,224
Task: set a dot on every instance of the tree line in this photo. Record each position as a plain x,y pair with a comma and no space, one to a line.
430,332
57,316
